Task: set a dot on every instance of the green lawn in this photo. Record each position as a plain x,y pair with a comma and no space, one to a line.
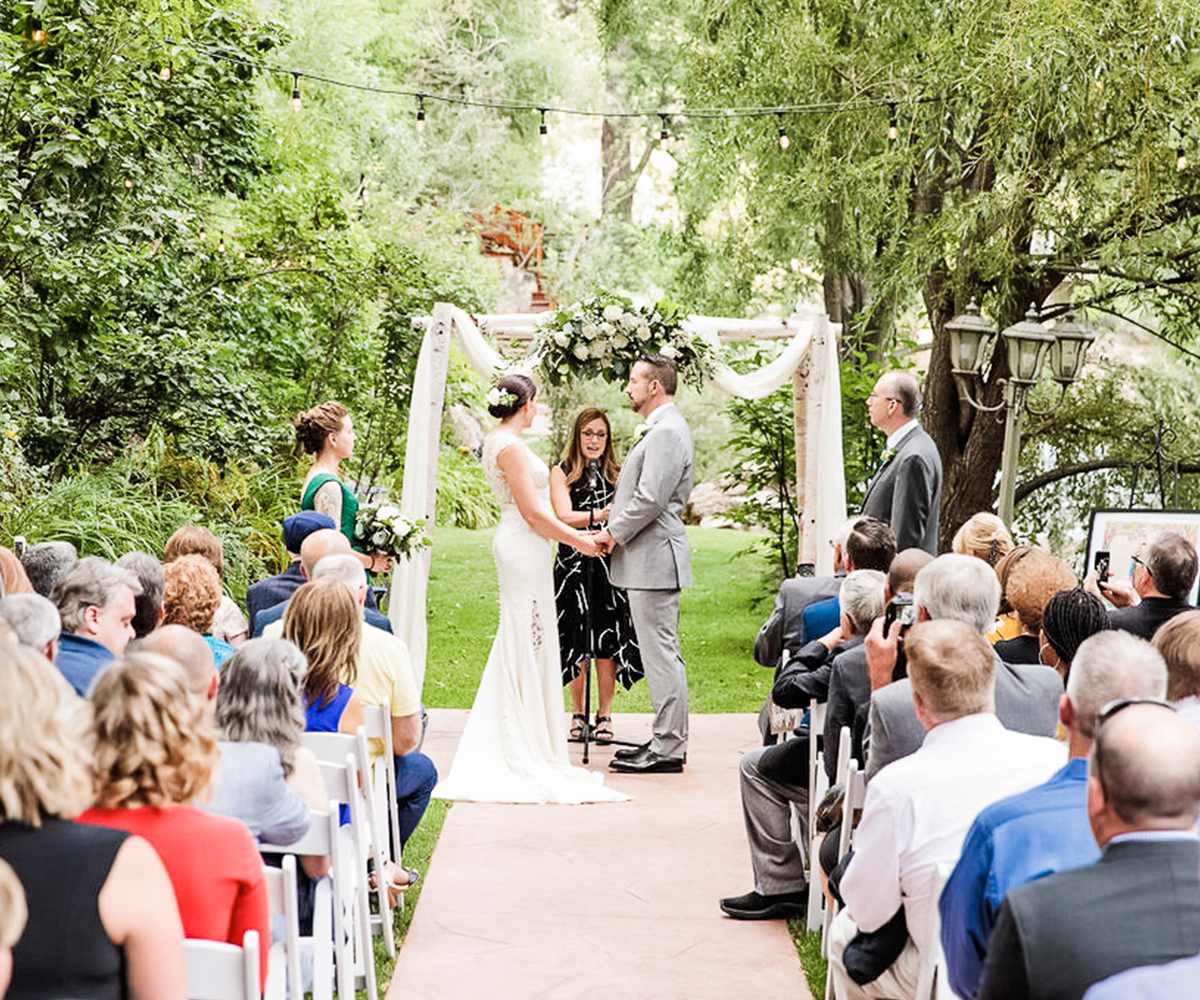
719,617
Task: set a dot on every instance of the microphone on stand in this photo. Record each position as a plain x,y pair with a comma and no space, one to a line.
593,475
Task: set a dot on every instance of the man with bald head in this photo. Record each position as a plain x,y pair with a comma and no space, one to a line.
190,651
1140,903
906,490
315,547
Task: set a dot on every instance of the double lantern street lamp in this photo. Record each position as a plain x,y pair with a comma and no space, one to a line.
1027,342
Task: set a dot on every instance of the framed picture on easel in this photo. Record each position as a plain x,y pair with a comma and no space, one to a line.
1122,533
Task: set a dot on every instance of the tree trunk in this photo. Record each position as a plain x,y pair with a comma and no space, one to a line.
616,200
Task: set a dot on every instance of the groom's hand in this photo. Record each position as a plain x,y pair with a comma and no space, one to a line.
604,541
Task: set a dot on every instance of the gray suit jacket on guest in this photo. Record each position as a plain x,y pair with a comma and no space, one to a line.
785,628
1027,696
1055,936
654,484
907,492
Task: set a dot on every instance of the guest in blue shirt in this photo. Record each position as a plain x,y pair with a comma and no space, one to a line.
96,601
1045,829
191,597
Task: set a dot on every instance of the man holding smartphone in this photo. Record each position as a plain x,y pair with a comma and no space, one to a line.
1163,573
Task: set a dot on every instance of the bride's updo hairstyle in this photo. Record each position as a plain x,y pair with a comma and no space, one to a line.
520,386
314,426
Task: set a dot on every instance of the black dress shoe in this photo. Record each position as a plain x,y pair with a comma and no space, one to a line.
756,906
648,763
628,753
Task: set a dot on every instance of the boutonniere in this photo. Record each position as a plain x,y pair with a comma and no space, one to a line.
639,432
887,456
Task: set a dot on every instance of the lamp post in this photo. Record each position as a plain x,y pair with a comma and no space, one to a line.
1027,344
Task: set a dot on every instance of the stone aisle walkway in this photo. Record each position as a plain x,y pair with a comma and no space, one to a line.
598,902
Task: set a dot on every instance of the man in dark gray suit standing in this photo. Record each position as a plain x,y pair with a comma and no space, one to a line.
1140,903
906,490
651,560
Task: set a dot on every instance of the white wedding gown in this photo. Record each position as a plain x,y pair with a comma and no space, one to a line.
514,746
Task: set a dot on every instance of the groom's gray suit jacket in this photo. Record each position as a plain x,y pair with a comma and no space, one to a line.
907,492
654,484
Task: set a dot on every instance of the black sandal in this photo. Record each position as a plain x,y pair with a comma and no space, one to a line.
578,728
602,731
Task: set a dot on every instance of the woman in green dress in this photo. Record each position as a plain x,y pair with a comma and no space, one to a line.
327,431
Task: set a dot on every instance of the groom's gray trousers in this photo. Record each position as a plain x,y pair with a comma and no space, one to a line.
656,621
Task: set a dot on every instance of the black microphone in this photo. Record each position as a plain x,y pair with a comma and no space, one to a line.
593,473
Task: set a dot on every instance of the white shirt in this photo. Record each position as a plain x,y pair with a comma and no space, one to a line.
918,810
899,434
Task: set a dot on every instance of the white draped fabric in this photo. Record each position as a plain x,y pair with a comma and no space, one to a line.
406,606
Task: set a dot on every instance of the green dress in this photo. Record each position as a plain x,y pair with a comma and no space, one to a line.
349,502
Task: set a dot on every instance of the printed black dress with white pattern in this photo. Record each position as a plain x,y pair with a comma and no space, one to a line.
611,622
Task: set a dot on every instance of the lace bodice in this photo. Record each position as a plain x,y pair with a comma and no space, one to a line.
493,445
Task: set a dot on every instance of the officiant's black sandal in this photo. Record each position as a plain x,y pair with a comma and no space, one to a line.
578,726
602,731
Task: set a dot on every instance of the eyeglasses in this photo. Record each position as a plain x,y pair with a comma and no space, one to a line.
1105,714
601,435
874,395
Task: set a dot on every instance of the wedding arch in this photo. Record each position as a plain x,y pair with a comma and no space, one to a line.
809,360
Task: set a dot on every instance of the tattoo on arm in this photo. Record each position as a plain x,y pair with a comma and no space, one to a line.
328,500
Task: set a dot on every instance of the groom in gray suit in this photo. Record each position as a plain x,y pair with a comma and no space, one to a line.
906,491
650,557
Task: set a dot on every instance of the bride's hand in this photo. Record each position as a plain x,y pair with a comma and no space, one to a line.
586,544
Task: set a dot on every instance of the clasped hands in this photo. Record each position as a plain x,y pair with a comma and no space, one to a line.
601,541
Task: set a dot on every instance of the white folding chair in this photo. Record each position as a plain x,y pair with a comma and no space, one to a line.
354,891
377,721
845,767
283,958
818,785
220,971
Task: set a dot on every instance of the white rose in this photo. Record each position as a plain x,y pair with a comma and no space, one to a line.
668,351
613,312
581,352
389,512
606,329
379,538
643,333
620,341
560,338
590,331
629,321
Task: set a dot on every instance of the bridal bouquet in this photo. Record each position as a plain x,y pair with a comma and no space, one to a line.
382,528
602,337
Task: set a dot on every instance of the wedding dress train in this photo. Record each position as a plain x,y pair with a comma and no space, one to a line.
514,746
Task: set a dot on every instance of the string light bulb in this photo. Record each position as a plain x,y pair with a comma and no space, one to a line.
164,72
784,141
663,133
39,35
201,236
221,244
893,126
129,183
1180,160
420,112
543,132
297,100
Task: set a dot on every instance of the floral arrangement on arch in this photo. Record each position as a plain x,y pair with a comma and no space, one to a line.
603,335
383,528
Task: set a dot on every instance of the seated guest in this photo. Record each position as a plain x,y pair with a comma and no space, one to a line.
149,602
155,752
229,624
277,589
1178,642
1070,617
1031,584
384,677
324,623
782,630
1140,903
983,536
128,944
266,777
35,620
12,574
313,549
963,589
918,809
1152,982
1046,828
96,601
1007,626
13,914
870,545
1163,574
187,648
45,562
191,596
774,778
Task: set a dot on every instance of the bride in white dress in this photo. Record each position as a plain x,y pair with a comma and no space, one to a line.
514,746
